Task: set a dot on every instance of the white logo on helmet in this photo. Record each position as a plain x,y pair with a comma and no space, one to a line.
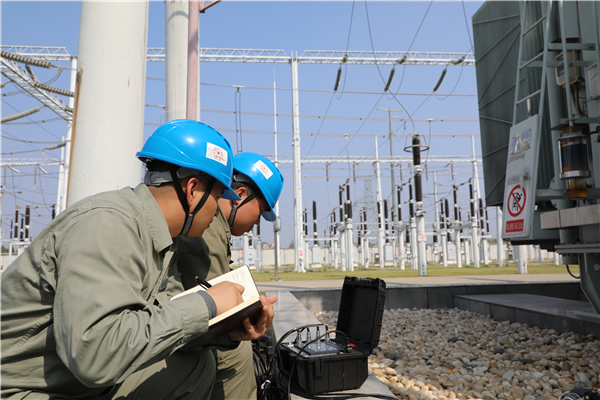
262,167
216,153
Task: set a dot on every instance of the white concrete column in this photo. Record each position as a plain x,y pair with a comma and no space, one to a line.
110,98
176,53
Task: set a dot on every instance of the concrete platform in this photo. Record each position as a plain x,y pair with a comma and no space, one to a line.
553,301
541,311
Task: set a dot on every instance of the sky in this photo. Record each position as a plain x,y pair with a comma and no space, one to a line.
424,26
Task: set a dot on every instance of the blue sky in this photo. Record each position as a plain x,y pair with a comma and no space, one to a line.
291,27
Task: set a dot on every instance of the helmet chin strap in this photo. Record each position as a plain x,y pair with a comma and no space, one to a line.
234,209
182,199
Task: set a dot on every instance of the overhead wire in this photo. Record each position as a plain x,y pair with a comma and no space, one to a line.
413,41
379,70
343,86
326,91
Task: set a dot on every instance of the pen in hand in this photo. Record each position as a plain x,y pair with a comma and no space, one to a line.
203,283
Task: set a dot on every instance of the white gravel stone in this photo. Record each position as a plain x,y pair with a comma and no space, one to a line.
454,354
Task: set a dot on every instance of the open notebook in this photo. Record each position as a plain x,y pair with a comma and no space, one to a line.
231,320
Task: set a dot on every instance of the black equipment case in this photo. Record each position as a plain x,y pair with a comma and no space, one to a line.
339,365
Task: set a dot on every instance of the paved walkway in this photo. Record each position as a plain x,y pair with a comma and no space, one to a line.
421,281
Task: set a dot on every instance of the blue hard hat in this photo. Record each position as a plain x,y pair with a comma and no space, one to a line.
260,171
194,145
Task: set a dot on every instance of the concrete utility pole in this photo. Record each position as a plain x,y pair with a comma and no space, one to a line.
277,223
193,80
379,207
176,58
109,105
394,200
297,182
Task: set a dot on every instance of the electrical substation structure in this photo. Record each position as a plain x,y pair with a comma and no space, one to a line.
343,238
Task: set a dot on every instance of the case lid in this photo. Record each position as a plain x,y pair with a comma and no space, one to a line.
361,311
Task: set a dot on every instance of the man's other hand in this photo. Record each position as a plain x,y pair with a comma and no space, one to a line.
251,332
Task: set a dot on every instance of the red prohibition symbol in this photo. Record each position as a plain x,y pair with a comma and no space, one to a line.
516,201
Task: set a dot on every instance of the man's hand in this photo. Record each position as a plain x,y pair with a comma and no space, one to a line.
252,332
226,295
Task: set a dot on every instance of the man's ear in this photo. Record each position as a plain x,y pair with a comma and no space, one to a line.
242,192
191,188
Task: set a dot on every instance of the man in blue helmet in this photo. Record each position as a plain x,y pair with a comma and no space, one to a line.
258,183
85,311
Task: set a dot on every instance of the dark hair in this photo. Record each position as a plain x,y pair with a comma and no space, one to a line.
159,166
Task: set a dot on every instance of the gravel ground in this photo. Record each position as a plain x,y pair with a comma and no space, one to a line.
456,354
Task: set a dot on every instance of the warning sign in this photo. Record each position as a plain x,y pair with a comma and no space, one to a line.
521,180
516,201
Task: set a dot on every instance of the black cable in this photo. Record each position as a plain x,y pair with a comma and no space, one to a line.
569,271
413,41
379,70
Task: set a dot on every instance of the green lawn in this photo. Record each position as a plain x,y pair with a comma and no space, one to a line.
432,270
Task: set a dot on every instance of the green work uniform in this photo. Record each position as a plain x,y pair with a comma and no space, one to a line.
79,314
235,368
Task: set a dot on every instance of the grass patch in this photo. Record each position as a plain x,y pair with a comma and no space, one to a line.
328,273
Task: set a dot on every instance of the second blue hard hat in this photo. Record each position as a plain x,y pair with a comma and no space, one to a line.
261,172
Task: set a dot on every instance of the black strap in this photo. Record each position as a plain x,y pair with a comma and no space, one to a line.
234,209
183,200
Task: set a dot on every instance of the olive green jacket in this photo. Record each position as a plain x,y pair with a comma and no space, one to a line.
209,255
79,313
